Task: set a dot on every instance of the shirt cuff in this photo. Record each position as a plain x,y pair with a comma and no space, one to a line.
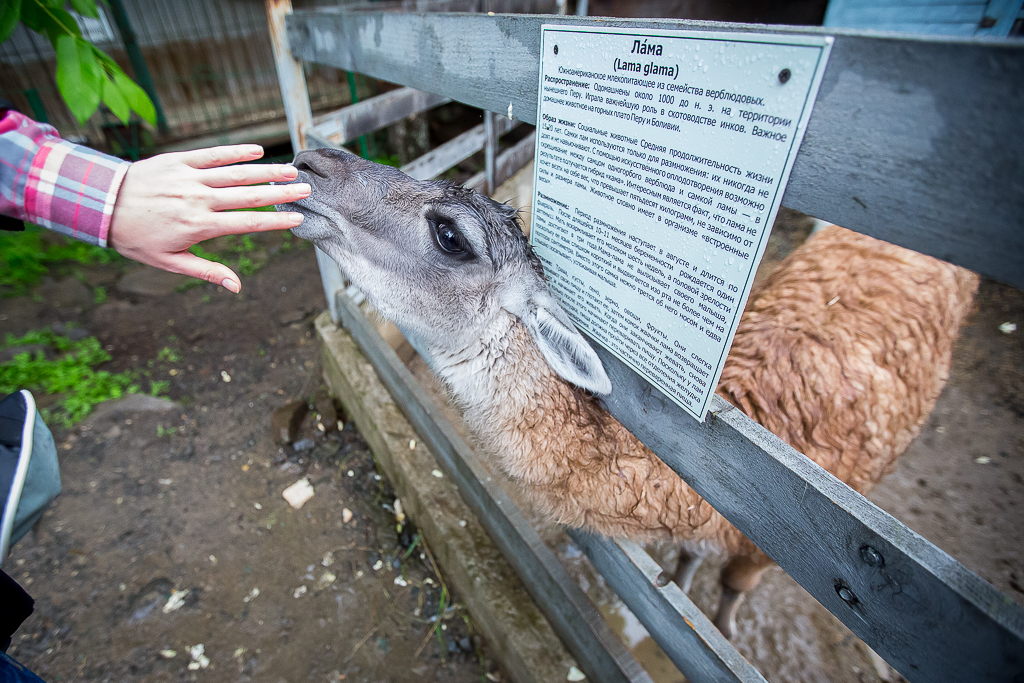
72,189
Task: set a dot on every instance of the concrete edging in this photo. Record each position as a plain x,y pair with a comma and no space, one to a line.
519,635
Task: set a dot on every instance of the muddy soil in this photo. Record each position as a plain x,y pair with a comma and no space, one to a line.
171,554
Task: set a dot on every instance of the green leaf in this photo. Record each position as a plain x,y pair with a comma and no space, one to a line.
113,98
33,16
79,76
89,54
87,8
9,14
53,22
136,97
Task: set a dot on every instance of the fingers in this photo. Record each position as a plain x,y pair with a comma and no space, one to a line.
189,264
213,157
250,174
239,222
256,196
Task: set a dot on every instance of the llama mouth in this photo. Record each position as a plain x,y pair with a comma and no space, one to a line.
321,222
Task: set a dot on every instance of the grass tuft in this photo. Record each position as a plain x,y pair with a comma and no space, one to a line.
70,374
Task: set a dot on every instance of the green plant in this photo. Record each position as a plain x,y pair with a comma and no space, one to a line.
389,160
25,257
168,354
71,374
162,431
85,74
239,252
99,295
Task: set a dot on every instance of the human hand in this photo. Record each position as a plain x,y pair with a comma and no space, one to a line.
171,201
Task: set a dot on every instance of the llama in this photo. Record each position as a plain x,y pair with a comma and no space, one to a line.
842,353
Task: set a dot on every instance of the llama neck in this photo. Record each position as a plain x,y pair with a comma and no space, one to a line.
513,402
578,465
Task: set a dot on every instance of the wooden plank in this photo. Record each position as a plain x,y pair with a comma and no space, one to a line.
508,162
599,652
682,631
332,278
315,141
368,116
490,151
289,74
440,159
912,141
920,609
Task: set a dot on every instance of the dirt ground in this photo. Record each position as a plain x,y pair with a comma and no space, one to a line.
181,503
185,500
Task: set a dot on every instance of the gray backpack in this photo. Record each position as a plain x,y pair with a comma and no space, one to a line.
29,476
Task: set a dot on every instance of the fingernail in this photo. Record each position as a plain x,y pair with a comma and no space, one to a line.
290,171
254,150
231,285
303,188
295,218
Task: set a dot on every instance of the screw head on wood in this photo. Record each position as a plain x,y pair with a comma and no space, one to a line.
662,580
846,595
784,75
871,556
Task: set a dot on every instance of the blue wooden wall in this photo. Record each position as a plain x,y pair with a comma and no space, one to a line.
994,18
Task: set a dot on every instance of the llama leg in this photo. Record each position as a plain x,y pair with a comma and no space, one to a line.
686,568
739,575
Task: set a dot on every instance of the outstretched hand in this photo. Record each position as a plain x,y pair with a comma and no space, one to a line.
170,202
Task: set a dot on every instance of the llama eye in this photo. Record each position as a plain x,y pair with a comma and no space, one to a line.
450,239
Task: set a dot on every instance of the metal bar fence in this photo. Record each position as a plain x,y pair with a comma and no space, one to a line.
931,618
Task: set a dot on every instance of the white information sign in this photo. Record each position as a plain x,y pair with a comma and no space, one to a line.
662,157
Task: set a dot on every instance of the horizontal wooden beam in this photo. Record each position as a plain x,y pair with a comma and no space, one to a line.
916,141
682,631
368,116
921,610
440,159
599,652
508,162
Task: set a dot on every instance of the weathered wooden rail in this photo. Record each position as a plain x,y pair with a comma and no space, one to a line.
915,141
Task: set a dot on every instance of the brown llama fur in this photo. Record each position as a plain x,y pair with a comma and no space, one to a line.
842,353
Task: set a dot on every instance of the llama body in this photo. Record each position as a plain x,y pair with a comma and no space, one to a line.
842,353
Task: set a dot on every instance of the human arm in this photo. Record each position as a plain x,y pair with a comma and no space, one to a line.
152,211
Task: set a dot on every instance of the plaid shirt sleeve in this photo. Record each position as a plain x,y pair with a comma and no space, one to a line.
55,183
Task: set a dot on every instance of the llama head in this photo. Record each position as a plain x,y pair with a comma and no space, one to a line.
437,259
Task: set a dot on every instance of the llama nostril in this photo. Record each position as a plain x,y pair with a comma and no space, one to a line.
303,165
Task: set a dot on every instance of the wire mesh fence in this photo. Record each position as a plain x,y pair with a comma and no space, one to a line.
212,69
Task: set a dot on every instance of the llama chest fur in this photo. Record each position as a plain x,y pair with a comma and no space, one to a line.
576,463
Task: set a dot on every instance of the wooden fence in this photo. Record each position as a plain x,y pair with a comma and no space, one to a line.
914,141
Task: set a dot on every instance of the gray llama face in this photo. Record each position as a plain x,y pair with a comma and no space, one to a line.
437,259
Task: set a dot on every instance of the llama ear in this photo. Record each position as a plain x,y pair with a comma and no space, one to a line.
564,348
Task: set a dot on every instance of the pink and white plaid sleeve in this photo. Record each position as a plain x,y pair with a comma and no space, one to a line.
55,183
